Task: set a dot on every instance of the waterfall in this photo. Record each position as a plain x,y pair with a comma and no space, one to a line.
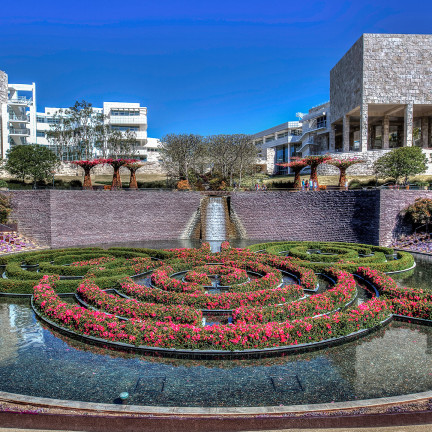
215,223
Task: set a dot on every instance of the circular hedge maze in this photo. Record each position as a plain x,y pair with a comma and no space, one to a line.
265,299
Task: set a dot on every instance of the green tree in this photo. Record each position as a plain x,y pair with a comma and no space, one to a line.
401,162
31,161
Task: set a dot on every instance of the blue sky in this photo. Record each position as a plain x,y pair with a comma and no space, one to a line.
203,67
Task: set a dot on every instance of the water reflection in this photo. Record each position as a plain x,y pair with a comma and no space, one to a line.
37,361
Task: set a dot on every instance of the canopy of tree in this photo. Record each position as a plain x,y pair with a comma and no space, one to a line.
401,163
33,162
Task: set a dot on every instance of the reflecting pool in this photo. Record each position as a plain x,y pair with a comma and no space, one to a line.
36,361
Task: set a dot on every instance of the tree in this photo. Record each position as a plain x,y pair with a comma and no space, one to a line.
114,143
313,162
87,166
343,165
84,121
60,134
401,162
181,154
31,161
296,165
133,168
231,155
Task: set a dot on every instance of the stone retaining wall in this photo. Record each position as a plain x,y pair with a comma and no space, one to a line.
322,216
392,222
73,218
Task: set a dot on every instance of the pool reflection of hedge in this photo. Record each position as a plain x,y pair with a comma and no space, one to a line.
168,314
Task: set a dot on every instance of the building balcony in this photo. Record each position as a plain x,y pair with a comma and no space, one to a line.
127,120
18,118
19,131
20,100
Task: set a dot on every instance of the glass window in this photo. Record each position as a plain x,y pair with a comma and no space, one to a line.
321,122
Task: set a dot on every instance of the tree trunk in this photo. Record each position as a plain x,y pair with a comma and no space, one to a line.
133,181
342,177
116,182
87,179
297,179
314,175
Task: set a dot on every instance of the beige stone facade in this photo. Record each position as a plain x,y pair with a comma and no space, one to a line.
380,98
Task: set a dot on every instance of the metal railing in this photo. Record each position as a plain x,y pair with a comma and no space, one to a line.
19,131
20,99
23,118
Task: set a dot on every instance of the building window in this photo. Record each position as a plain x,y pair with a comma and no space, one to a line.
282,134
376,137
321,122
270,138
40,134
295,132
395,136
125,128
126,113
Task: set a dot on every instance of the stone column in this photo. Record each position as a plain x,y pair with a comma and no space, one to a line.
364,120
386,132
425,132
271,154
332,139
408,125
3,88
346,133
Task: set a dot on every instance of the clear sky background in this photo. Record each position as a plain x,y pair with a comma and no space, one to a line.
200,66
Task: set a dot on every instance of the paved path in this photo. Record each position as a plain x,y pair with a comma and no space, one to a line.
417,428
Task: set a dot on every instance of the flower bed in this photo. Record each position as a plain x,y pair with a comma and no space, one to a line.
266,313
238,336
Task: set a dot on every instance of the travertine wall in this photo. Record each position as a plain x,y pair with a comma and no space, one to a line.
3,88
392,223
323,216
346,82
75,218
397,68
72,218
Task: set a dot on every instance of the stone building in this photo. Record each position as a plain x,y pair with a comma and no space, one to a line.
380,98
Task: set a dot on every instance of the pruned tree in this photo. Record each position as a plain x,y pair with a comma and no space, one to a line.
296,165
343,165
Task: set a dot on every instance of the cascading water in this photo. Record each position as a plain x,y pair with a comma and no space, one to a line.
215,224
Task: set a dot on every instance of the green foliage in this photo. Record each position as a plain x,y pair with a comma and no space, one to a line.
5,208
401,162
31,162
347,256
421,211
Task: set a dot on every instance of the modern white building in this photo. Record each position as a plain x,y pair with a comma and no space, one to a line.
17,114
20,123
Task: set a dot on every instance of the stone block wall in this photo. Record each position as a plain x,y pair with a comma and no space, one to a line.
73,218
3,88
32,211
392,223
76,218
346,82
397,68
351,216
